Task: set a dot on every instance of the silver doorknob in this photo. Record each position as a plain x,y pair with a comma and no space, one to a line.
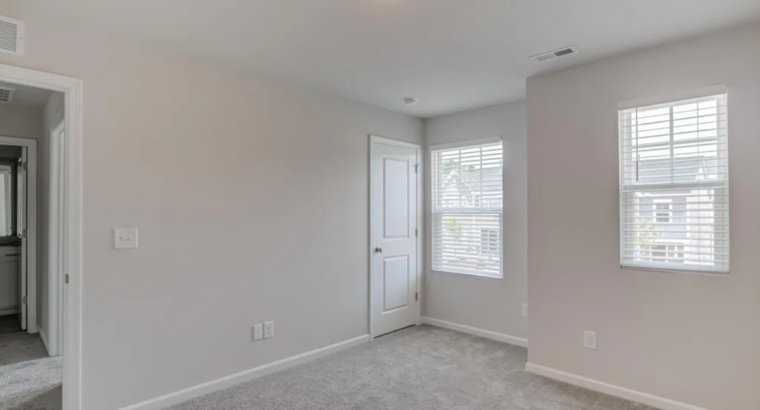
378,250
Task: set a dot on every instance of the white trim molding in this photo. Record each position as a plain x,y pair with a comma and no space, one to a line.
184,395
488,334
72,201
56,240
610,389
467,143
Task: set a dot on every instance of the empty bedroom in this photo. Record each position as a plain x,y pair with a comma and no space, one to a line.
379,204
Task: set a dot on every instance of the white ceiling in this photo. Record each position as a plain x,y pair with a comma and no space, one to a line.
450,54
26,96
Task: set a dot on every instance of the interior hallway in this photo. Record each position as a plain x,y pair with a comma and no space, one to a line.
9,324
29,378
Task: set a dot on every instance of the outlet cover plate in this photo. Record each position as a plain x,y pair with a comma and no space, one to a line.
589,340
268,330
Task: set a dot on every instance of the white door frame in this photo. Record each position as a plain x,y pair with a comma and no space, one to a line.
72,221
31,228
374,139
55,233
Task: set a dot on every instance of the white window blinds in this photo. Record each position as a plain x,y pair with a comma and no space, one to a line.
467,208
674,185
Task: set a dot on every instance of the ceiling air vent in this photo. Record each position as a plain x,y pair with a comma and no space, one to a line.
6,95
11,36
562,52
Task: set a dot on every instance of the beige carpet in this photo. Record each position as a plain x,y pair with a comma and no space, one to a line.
421,368
29,379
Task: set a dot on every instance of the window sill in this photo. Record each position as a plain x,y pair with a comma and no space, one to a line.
468,275
714,274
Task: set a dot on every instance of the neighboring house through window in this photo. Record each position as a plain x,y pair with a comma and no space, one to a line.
467,197
662,210
674,184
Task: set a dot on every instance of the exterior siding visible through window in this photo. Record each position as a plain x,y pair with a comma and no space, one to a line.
467,200
674,185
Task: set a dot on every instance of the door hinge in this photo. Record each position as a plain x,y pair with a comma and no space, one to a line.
23,300
416,168
23,233
23,166
416,232
66,278
416,296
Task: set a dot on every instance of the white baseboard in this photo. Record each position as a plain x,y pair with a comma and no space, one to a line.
610,389
244,376
488,334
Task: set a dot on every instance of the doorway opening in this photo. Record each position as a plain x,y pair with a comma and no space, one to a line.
17,293
29,295
40,239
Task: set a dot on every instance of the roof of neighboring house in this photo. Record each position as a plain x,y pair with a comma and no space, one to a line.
475,180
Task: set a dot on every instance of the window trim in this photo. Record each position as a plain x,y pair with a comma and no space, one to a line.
455,272
721,89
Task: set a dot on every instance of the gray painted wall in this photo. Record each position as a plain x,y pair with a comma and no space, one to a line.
10,152
490,304
251,202
690,338
20,122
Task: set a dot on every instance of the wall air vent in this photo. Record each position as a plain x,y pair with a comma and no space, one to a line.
562,52
11,36
6,95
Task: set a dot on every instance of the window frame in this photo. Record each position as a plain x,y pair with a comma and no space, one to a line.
719,184
434,212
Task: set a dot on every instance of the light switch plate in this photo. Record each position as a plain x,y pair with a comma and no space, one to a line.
125,238
258,332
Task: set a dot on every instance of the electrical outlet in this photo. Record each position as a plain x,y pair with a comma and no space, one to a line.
258,332
589,340
268,330
525,310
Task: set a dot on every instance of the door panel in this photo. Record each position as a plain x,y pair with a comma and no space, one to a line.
395,283
396,198
21,230
394,241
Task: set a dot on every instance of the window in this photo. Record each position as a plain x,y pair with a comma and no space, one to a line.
674,185
467,208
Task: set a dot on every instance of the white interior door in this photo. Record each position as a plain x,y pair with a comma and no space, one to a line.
21,231
394,236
